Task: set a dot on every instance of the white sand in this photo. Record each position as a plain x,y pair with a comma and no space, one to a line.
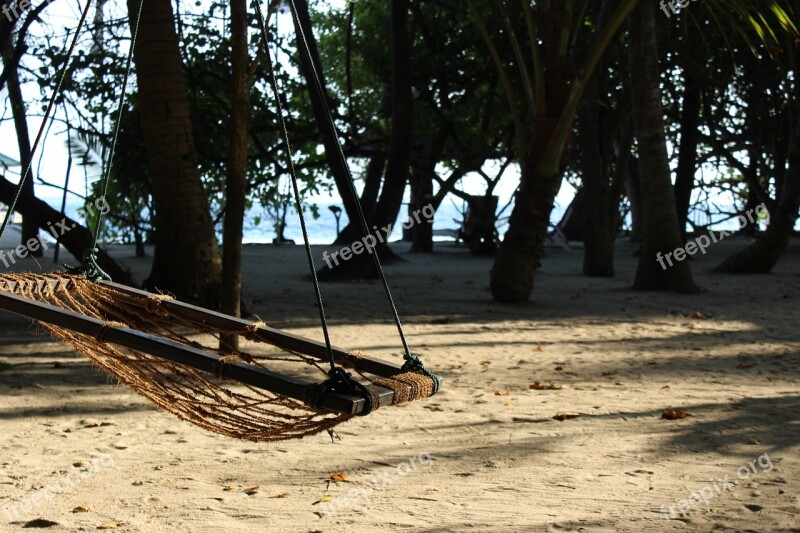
499,462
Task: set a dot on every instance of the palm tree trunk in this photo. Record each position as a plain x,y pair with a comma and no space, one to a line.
661,232
595,164
186,259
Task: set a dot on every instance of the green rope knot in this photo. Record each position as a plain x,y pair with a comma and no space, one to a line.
414,364
89,268
342,382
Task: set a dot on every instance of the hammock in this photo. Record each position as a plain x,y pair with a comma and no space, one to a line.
169,351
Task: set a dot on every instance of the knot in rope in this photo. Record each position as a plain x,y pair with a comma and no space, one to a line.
342,382
414,364
89,268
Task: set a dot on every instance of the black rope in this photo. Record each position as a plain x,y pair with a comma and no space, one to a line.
305,49
24,176
89,267
342,382
293,173
122,99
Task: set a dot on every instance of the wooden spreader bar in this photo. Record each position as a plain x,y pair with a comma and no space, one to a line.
187,355
276,337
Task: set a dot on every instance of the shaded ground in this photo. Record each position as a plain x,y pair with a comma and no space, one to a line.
730,357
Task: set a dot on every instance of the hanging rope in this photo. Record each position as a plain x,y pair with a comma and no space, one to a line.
51,104
362,219
89,267
295,188
122,100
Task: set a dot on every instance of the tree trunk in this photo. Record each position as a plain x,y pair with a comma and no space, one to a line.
633,190
77,240
595,151
514,270
421,195
186,259
421,182
373,179
762,256
687,152
236,186
661,232
372,183
29,227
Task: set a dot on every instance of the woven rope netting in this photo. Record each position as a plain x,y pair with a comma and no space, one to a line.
225,407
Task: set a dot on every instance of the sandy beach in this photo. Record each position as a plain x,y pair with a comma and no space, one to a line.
487,453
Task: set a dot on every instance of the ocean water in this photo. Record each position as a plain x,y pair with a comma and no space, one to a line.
321,230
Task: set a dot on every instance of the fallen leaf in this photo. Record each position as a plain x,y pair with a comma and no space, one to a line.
563,416
341,476
538,348
498,393
324,499
674,414
110,525
81,510
252,490
753,442
40,522
158,467
508,404
78,464
538,386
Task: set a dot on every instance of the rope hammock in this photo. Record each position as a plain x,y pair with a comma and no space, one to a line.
170,352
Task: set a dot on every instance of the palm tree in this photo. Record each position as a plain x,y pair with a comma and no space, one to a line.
544,111
661,231
186,258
